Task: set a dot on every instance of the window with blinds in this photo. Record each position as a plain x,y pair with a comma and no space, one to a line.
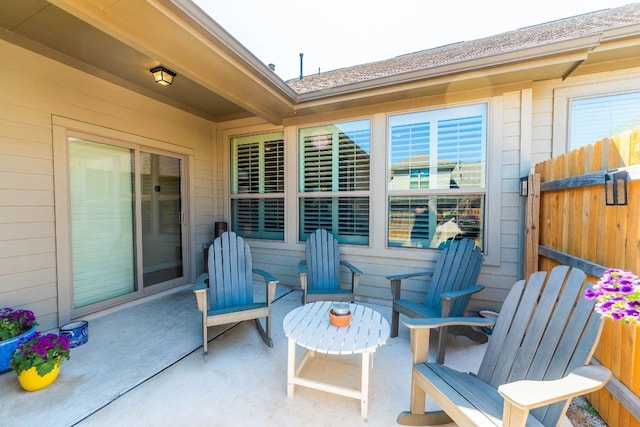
593,119
257,186
436,176
334,180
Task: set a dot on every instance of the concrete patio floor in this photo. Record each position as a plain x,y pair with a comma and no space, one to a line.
143,366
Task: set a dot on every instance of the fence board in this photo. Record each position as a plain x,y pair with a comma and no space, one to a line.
576,227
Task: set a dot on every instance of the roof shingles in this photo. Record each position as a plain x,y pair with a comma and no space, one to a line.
523,38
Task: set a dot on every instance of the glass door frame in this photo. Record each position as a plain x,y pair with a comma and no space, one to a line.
62,131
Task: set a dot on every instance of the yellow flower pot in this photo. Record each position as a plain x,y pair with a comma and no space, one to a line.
31,381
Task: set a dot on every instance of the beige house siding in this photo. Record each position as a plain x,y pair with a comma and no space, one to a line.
41,97
36,92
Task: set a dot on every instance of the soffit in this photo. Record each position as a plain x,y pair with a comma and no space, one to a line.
207,84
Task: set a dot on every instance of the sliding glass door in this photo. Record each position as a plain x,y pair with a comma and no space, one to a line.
126,208
101,179
161,218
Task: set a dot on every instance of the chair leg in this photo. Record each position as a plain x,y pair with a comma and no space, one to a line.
266,336
442,345
205,341
395,320
427,419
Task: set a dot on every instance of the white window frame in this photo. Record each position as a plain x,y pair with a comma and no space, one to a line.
563,96
333,192
260,138
493,178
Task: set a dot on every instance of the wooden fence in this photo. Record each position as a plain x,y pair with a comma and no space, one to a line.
568,222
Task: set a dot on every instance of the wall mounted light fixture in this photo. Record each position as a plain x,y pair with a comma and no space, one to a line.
615,188
524,186
162,75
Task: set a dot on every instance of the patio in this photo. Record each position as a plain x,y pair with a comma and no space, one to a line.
143,365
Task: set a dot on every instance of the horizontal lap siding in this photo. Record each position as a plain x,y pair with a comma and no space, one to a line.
34,89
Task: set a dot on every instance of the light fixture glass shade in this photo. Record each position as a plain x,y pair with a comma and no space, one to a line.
162,75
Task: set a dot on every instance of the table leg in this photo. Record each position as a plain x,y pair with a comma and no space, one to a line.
291,366
364,387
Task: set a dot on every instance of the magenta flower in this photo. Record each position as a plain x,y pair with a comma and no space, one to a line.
15,322
42,351
617,296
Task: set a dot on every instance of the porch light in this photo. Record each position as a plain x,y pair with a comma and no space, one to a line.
615,188
162,75
524,186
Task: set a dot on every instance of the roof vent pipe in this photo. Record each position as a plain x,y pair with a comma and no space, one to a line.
301,55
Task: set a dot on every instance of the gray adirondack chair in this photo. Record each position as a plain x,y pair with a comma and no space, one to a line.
535,363
225,293
320,271
453,281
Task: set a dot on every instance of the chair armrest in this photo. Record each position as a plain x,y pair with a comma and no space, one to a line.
302,266
353,269
355,275
201,282
451,295
200,289
409,275
396,281
420,329
266,276
438,322
529,394
271,283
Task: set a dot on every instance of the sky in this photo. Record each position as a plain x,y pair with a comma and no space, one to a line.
334,34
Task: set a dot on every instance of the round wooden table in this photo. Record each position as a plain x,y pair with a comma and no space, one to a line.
308,326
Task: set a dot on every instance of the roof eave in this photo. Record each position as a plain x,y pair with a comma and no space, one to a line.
569,48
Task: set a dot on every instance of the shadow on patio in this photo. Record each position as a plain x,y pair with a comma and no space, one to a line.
143,365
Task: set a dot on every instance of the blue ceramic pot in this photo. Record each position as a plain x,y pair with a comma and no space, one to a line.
77,332
7,347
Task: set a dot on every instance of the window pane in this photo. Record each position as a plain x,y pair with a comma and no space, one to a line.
593,119
258,170
102,219
336,158
438,149
429,221
258,218
345,217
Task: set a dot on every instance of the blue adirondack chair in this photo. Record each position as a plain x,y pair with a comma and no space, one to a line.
320,271
225,293
451,284
537,359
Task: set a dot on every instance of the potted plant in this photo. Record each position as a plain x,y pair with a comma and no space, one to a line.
37,360
15,325
617,296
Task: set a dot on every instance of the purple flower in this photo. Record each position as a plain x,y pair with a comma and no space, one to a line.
590,294
42,351
617,295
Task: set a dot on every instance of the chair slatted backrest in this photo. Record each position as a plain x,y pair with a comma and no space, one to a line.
230,272
545,329
323,260
457,268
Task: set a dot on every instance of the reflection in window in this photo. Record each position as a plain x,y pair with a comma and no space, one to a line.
334,180
593,119
430,221
436,176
